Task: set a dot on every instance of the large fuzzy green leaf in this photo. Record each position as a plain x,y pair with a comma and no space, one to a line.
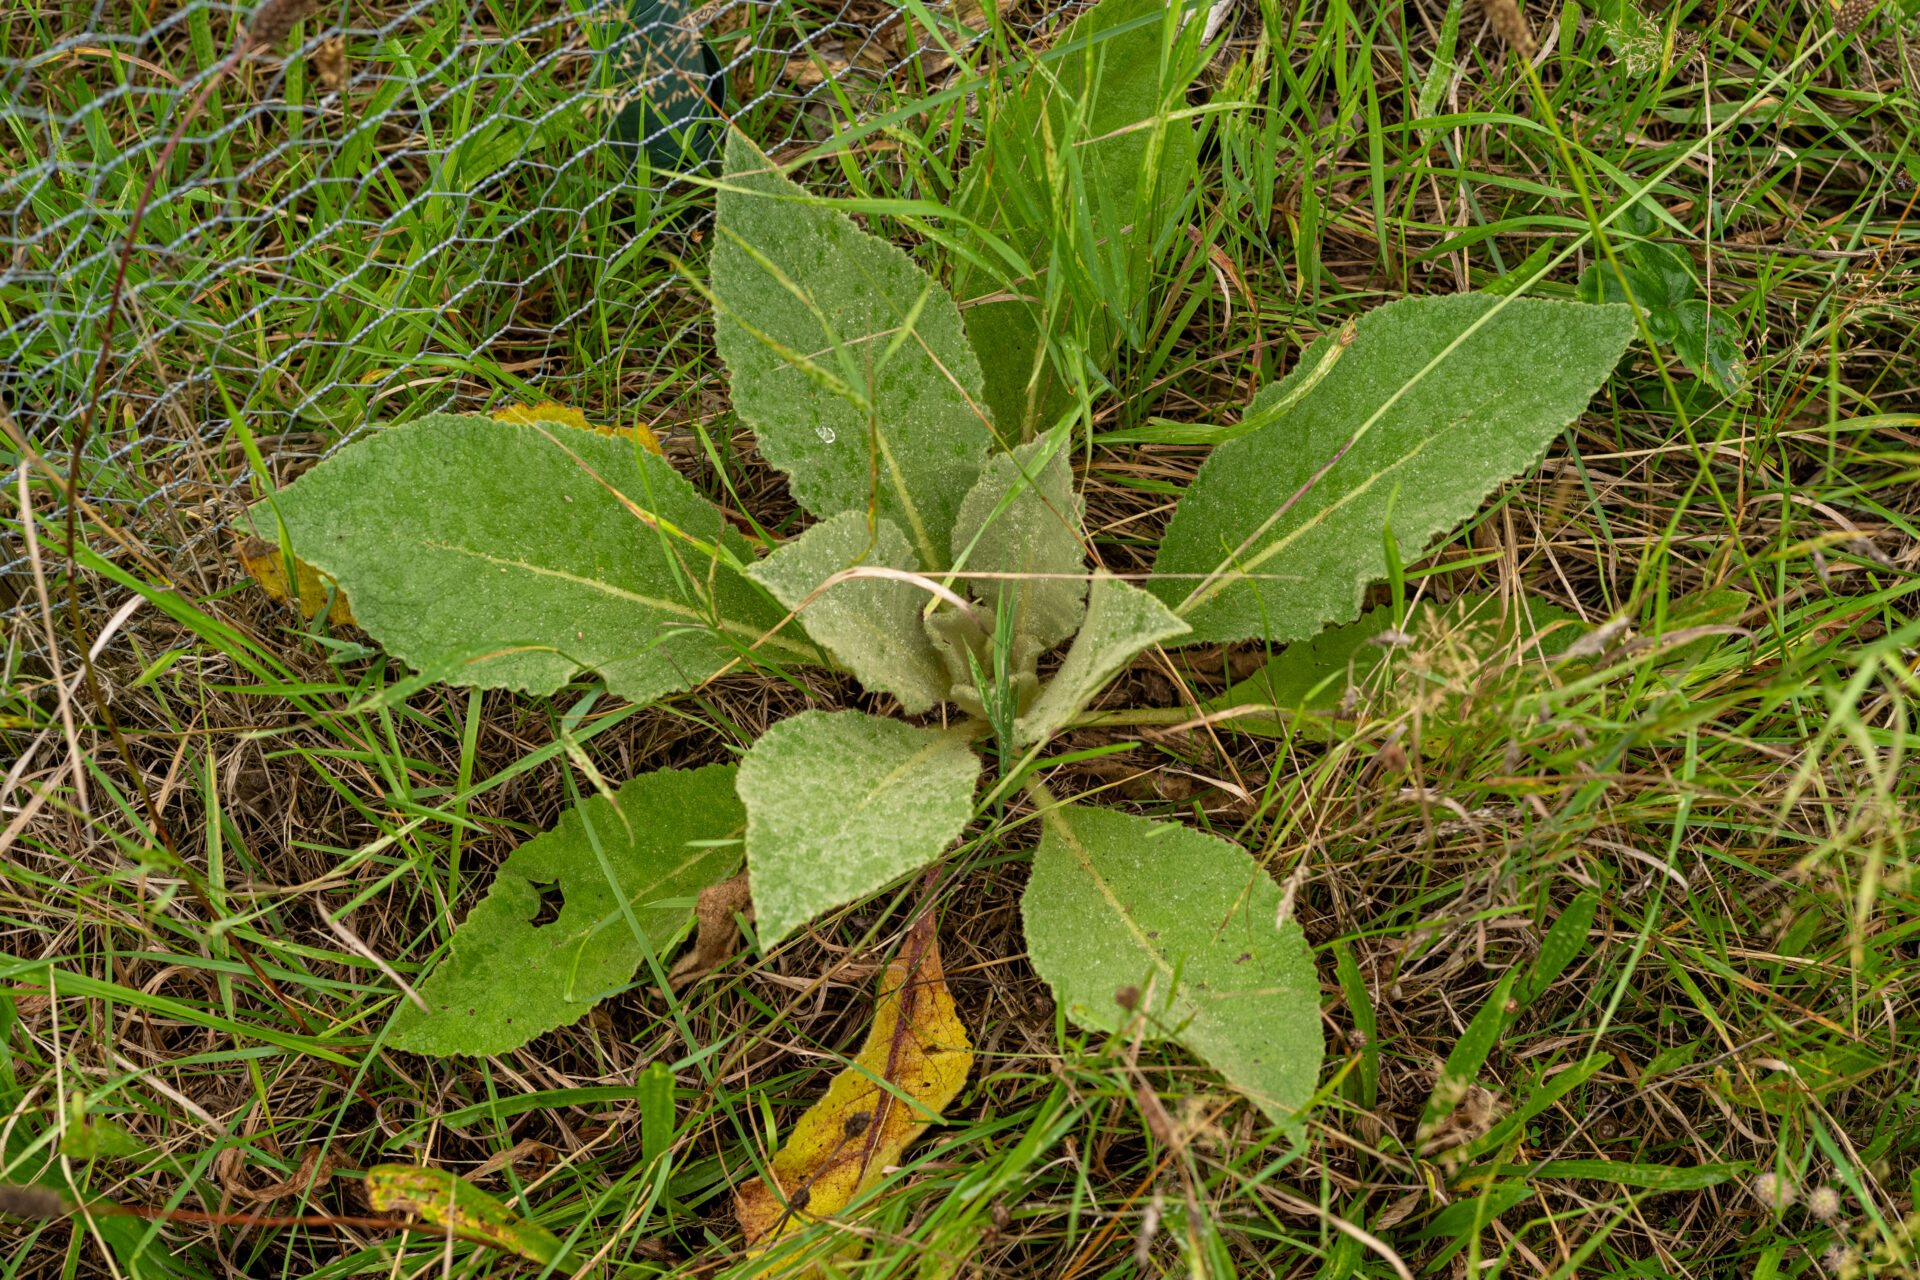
1443,415
502,554
507,979
871,625
812,311
1024,517
1188,921
1104,90
839,803
1121,621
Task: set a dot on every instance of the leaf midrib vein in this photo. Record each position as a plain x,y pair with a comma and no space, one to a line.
620,593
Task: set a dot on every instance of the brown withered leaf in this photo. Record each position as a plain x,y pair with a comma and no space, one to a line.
314,1172
329,64
718,931
845,1142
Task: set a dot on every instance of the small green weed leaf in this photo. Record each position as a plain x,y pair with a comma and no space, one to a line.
1431,443
1600,283
839,803
1121,621
456,1204
666,84
1709,347
508,979
1119,902
93,1137
657,1115
1353,986
1041,176
1311,679
870,625
1562,945
1718,608
810,310
1532,266
1469,1053
1467,1217
1662,325
1636,219
1441,70
511,545
1035,530
1667,265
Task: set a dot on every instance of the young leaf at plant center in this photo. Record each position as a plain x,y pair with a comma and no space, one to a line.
666,84
550,411
1117,901
534,545
1024,517
1121,621
912,1065
810,311
1284,553
508,979
456,1204
263,560
870,625
839,803
1064,159
1320,682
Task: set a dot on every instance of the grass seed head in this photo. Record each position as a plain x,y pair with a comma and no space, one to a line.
1774,1191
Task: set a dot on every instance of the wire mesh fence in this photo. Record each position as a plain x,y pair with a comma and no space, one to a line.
399,207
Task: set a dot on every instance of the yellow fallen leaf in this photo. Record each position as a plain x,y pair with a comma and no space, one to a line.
454,1203
845,1142
262,559
549,411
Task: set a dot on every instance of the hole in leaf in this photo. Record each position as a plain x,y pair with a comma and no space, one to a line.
551,900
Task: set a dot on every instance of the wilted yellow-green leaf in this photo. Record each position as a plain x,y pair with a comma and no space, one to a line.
845,1141
447,1201
550,411
263,560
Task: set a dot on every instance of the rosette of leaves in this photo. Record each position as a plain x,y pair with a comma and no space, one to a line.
1661,280
949,566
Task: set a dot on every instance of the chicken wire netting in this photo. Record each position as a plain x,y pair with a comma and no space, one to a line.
397,208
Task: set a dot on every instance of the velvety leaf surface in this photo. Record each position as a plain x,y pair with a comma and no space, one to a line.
507,979
846,1141
839,803
1121,621
921,450
1005,188
1432,449
1036,532
485,551
1118,901
870,625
